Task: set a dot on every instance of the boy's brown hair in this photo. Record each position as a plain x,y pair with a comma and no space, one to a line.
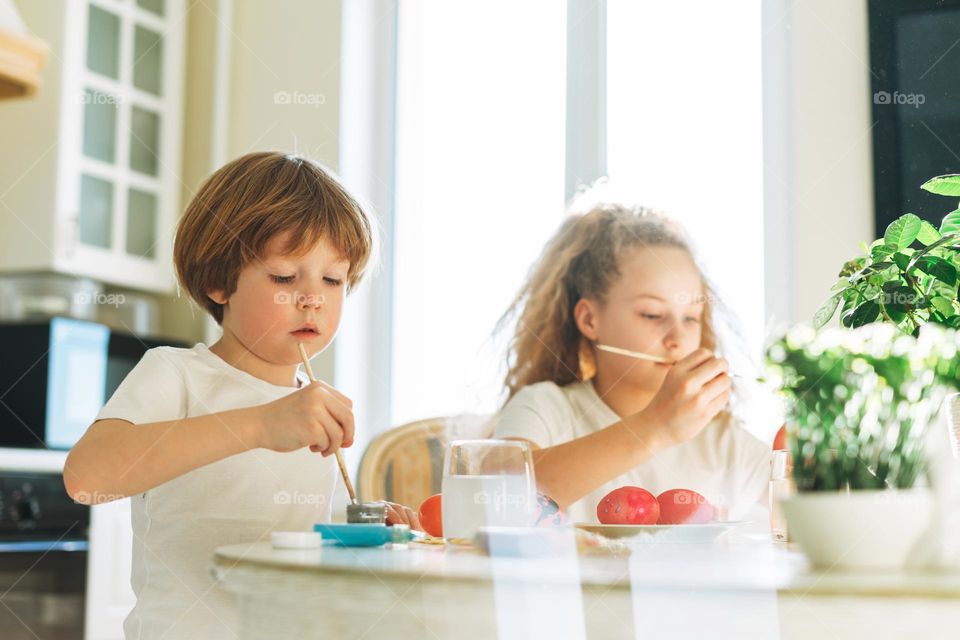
250,200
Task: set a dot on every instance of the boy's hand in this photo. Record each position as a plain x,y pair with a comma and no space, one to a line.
317,416
695,390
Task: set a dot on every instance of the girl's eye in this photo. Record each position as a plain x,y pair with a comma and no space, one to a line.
333,281
282,279
650,316
692,319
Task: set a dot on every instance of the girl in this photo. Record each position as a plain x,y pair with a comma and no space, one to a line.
213,444
596,420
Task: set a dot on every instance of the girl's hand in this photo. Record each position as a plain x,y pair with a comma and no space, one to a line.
317,416
694,391
399,514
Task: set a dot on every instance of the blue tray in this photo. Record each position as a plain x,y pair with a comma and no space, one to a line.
355,535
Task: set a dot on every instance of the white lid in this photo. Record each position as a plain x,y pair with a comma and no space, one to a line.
295,539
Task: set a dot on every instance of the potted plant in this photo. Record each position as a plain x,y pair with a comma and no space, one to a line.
862,397
907,278
860,404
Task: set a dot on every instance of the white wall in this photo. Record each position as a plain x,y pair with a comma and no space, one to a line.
828,172
260,76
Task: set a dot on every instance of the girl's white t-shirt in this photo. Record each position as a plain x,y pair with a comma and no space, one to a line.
724,462
240,499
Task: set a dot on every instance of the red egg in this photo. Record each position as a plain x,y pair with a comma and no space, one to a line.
628,505
683,506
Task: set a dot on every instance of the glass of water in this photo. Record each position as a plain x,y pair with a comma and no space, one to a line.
487,483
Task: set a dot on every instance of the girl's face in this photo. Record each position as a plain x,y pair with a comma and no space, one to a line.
656,307
283,300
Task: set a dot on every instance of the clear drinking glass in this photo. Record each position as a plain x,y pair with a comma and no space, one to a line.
781,486
487,483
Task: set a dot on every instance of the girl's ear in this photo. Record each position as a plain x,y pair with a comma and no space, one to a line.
217,296
585,315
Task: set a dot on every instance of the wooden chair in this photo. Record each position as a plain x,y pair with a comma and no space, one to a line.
405,464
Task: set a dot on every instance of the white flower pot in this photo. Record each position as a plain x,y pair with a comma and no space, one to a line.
860,529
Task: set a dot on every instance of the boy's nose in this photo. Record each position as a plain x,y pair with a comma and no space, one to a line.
308,300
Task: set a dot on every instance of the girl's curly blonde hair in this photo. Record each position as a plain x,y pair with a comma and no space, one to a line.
581,261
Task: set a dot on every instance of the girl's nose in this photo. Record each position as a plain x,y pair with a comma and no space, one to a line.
671,340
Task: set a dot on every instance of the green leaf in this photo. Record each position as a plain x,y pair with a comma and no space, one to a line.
938,288
883,251
944,306
896,312
865,313
928,233
847,319
942,270
852,267
948,185
840,285
951,223
826,311
896,293
902,260
902,231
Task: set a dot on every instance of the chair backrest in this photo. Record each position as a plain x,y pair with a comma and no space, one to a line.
405,464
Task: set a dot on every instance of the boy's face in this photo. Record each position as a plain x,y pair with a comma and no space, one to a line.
283,300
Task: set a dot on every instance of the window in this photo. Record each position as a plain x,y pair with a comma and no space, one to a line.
471,176
684,132
480,187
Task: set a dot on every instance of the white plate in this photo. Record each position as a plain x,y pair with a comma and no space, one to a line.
662,532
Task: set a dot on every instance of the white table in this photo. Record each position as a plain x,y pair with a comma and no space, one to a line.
747,589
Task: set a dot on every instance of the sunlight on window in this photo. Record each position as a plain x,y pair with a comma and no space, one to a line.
684,132
480,179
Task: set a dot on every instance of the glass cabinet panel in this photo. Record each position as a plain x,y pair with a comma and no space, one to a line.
99,126
144,141
96,211
147,60
153,6
141,223
103,42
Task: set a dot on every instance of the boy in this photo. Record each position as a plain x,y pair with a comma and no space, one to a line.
214,444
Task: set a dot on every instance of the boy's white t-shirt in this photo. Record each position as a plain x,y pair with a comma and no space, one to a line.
724,462
239,499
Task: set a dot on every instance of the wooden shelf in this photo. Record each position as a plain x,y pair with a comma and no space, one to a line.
21,59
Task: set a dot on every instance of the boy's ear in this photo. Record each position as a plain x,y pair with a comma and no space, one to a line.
585,315
217,296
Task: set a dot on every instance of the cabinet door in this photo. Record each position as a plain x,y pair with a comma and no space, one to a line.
126,178
109,596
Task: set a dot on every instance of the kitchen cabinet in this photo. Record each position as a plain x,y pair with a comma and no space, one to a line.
89,169
109,595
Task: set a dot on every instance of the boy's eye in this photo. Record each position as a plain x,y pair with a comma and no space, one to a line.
333,281
650,316
692,319
282,279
